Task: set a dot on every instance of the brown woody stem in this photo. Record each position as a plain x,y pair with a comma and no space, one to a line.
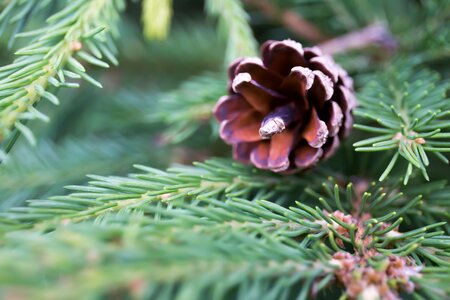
375,34
291,20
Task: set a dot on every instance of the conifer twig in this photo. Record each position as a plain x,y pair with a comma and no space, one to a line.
407,112
376,34
214,178
50,59
290,19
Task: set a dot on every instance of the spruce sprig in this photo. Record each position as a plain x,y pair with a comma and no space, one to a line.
82,30
406,109
136,254
417,204
214,178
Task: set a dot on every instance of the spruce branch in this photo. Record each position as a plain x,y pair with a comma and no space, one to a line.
233,24
407,111
82,30
137,255
301,249
214,178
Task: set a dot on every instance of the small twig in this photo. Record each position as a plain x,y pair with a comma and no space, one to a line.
375,34
290,20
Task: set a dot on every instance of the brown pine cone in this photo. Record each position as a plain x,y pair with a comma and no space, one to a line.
287,111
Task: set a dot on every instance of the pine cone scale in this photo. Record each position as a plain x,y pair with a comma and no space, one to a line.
280,148
296,85
259,156
259,73
330,147
334,121
306,156
321,89
316,131
260,97
282,56
244,128
230,107
326,66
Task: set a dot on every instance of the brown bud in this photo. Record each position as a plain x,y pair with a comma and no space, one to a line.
75,45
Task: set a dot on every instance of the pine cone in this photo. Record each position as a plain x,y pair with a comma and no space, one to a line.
287,111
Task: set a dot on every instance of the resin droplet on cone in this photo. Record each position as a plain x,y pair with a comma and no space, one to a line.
287,110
